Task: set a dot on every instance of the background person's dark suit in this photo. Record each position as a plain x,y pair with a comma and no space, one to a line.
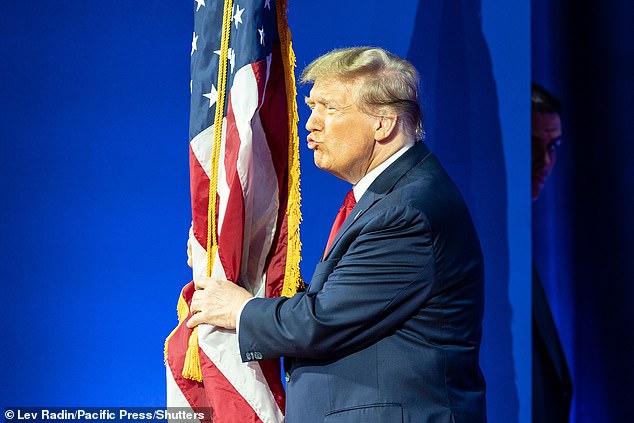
390,326
552,385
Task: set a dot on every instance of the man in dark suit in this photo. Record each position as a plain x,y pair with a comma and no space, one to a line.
552,384
389,328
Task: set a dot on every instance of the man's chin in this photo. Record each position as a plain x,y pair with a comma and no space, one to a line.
536,191
318,159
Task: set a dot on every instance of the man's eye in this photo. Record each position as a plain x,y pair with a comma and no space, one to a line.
553,146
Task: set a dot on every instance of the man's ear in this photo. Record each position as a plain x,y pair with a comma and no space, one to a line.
385,127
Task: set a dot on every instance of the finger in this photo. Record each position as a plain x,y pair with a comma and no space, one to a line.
189,254
194,321
202,282
189,246
195,304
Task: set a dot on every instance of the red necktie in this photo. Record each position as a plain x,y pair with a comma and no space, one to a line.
344,211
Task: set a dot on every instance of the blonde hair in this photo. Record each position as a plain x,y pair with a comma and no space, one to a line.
388,82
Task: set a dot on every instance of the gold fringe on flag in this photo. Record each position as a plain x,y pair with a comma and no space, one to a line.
292,277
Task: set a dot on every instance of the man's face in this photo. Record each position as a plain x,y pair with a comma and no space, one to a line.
546,136
341,136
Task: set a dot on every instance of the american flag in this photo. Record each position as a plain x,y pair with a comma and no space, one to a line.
257,201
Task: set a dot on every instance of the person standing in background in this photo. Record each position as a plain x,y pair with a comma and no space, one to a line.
552,385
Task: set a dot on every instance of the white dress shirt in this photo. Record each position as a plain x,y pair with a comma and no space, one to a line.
364,183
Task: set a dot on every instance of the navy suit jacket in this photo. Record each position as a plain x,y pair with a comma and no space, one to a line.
389,328
552,385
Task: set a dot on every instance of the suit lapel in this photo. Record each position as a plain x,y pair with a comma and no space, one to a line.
382,185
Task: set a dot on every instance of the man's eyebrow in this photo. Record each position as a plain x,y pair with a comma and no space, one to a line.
325,101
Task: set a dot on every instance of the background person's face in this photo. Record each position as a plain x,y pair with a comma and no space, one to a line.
545,138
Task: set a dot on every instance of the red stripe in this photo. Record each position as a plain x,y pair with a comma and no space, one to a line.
276,265
260,72
272,115
199,185
194,392
231,236
228,406
272,373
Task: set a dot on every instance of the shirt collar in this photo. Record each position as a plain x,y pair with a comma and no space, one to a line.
364,183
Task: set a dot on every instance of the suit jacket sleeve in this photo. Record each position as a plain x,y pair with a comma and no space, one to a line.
383,275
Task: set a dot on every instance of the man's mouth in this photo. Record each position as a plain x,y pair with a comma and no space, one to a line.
312,144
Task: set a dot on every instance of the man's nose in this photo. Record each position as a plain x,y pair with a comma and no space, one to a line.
312,124
547,158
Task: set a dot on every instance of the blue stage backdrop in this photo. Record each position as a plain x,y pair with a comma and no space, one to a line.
583,52
94,177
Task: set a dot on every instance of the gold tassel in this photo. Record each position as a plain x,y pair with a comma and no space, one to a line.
191,367
182,309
